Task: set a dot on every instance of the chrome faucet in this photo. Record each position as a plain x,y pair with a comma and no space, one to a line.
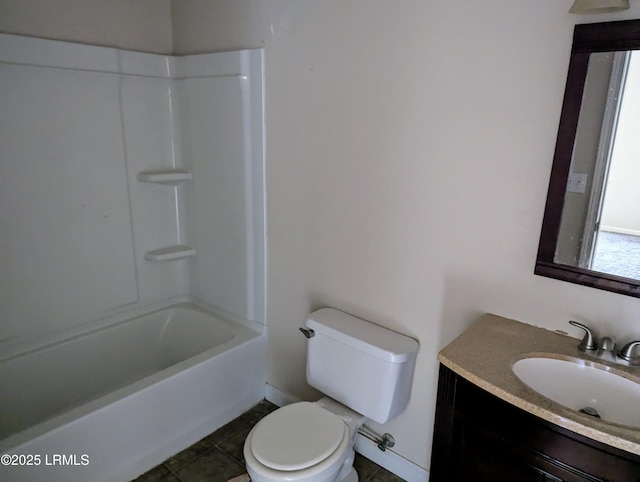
588,343
607,349
626,353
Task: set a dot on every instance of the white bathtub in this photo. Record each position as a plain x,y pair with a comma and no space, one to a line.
111,404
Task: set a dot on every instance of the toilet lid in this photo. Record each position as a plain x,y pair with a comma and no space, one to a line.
297,436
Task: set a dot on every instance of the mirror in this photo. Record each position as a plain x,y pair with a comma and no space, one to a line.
591,227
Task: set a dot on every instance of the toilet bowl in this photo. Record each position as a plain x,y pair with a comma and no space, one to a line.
304,442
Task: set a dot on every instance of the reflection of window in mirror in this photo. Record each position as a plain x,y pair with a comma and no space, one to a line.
600,227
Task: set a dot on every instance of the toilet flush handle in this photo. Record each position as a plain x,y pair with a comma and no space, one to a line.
309,333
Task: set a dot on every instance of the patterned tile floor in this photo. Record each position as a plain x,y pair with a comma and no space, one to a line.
218,457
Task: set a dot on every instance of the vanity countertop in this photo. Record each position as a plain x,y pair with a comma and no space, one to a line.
485,352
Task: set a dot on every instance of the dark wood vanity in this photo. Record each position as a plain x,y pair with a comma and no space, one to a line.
479,437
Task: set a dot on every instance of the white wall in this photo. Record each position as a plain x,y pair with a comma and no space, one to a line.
583,160
620,209
409,146
143,25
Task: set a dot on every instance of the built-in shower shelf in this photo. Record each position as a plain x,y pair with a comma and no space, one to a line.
170,253
169,177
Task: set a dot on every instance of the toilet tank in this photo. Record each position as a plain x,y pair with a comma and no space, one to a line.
362,365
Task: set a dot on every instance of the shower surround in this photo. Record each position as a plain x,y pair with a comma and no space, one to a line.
129,182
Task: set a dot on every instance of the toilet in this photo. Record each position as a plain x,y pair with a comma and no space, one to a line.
364,370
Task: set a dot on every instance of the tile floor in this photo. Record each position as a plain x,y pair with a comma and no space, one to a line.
218,457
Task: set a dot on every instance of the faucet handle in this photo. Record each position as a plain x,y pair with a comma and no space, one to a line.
626,352
589,342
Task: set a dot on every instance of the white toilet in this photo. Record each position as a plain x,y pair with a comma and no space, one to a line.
364,366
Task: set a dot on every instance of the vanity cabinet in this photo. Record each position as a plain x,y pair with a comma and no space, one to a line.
479,437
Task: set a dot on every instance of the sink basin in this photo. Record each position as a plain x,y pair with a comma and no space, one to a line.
583,387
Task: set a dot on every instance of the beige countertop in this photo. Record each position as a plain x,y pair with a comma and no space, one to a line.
485,352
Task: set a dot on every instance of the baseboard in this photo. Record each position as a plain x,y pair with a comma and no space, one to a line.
278,397
391,461
613,229
388,459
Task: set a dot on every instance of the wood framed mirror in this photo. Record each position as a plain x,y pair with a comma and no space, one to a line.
591,227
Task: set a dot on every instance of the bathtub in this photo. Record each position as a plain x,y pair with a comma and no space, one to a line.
110,404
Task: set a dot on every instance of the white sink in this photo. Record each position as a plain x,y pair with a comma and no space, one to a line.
577,386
